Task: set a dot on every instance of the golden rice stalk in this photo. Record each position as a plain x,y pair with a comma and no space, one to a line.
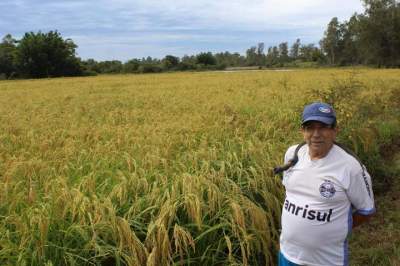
240,230
31,192
37,225
229,245
129,241
158,242
259,223
238,215
193,208
63,198
43,229
214,197
244,254
167,213
152,258
182,240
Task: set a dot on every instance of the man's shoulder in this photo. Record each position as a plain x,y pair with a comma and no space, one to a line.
347,159
292,149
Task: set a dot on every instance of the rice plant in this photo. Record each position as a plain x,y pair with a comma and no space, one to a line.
167,169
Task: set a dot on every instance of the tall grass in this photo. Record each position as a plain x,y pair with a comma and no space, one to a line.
168,169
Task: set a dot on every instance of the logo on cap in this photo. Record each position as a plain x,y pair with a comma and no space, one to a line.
324,110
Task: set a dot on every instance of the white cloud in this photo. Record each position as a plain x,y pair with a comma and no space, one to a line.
244,14
155,44
187,24
178,14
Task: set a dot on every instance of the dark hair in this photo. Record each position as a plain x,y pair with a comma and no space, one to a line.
333,125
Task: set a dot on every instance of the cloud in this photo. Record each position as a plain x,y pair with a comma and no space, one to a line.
156,44
183,25
178,14
244,14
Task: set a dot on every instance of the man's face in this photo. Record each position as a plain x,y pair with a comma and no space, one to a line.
319,136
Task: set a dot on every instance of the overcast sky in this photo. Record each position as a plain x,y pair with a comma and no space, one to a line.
125,29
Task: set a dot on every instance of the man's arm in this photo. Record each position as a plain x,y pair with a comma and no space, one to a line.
361,197
360,219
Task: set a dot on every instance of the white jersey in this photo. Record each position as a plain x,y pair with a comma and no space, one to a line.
321,196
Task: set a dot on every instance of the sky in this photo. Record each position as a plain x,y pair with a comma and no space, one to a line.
126,29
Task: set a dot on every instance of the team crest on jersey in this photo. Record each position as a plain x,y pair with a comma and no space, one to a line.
327,189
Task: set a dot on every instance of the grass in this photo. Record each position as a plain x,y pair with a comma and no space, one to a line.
378,242
167,169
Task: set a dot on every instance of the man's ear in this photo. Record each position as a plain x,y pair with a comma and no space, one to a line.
337,129
302,132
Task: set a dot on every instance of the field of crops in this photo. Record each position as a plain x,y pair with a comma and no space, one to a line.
168,169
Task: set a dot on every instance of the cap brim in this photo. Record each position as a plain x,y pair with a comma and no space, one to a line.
322,119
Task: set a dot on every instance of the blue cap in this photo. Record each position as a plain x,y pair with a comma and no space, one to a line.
321,112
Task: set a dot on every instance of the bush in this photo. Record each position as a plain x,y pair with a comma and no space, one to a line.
365,127
149,69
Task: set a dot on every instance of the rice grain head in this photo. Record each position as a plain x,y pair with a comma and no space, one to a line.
129,241
182,240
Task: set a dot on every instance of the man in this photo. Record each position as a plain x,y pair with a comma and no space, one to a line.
327,193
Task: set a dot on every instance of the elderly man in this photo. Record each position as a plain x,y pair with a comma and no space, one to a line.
328,191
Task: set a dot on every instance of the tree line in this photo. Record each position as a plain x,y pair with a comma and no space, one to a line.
371,38
38,55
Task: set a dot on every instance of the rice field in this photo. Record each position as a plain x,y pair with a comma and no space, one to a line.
167,169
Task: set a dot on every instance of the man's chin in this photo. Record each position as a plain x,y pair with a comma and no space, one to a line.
319,148
317,145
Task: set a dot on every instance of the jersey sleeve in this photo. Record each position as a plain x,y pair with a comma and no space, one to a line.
360,192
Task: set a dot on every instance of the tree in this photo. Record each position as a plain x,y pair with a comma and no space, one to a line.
206,59
349,42
150,61
170,62
272,57
369,38
310,53
330,42
260,54
251,56
379,33
149,68
110,67
294,50
283,52
131,66
228,59
189,59
238,60
47,55
255,55
188,62
7,56
224,59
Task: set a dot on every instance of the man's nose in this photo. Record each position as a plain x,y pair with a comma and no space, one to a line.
316,132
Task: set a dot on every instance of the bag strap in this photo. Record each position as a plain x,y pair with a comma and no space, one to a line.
292,162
